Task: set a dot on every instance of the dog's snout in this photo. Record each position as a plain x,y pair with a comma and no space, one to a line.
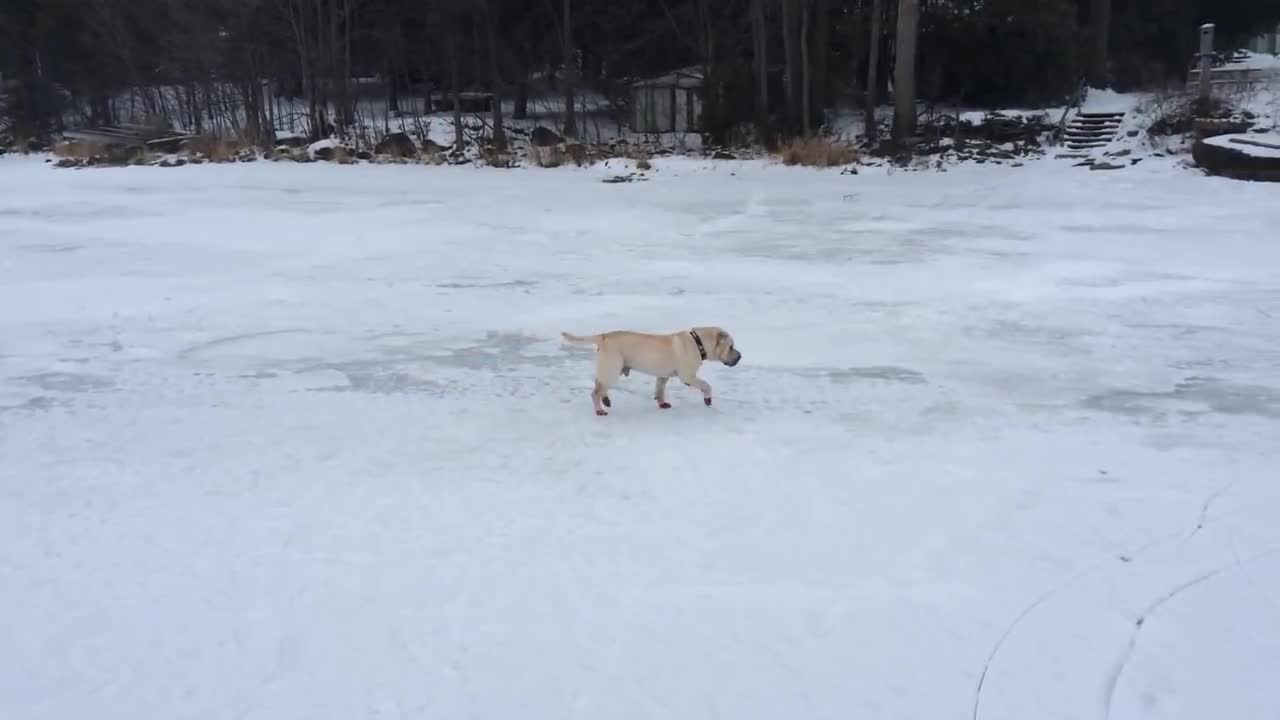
734,358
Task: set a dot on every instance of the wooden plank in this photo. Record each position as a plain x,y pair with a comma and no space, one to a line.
99,136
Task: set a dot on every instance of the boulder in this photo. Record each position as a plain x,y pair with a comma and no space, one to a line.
397,144
290,140
543,137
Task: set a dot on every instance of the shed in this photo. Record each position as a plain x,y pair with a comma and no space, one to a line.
670,103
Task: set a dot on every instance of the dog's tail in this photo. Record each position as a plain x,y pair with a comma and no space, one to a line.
579,340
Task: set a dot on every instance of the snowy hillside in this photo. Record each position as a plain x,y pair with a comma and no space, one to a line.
302,441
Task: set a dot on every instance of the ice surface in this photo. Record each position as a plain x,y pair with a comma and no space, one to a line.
286,441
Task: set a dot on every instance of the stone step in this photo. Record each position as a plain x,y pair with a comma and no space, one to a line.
1108,115
1087,124
1089,132
1086,146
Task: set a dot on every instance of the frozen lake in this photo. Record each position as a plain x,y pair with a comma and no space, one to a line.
302,441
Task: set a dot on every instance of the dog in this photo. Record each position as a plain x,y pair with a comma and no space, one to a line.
677,355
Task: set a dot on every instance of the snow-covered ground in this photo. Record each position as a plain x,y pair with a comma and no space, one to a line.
302,441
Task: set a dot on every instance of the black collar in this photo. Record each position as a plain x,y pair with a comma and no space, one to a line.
698,341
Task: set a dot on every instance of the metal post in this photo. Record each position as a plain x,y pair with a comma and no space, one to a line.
1206,64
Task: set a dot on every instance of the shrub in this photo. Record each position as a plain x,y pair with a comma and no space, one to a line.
818,152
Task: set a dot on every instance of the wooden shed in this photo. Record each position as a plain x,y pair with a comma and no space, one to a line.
670,103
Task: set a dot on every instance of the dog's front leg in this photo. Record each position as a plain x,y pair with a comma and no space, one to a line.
703,385
660,393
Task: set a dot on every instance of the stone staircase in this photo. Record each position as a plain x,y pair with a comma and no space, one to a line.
1089,132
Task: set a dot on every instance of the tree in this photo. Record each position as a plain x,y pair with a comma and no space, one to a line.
495,75
568,76
873,68
760,55
904,70
1100,27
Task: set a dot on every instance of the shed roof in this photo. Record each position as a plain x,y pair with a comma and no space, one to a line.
689,77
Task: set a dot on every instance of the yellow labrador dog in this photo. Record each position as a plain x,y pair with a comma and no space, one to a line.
677,354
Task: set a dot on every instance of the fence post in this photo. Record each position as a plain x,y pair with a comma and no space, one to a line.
1206,64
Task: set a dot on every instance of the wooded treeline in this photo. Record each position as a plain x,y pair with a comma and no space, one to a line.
777,65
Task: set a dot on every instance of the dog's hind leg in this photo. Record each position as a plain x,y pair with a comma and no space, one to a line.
608,367
660,393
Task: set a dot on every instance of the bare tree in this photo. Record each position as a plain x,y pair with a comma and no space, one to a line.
805,84
568,76
791,55
873,68
904,70
821,55
1100,22
495,76
760,45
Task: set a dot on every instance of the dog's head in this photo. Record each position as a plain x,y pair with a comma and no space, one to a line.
722,348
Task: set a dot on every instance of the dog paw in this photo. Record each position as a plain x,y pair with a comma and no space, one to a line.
601,413
607,402
707,400
664,405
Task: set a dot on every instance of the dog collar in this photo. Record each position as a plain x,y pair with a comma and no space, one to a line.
698,341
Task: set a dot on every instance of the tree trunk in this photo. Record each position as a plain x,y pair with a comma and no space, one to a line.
568,76
455,87
1100,22
760,42
805,101
821,54
495,74
873,69
904,70
792,62
521,110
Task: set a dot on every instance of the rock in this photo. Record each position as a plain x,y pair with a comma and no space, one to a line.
397,144
723,155
543,137
290,140
1106,166
172,162
364,155
325,152
1133,133
1120,153
196,161
68,162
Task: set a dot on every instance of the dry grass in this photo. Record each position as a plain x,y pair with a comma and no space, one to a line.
579,154
818,152
213,148
493,157
80,149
